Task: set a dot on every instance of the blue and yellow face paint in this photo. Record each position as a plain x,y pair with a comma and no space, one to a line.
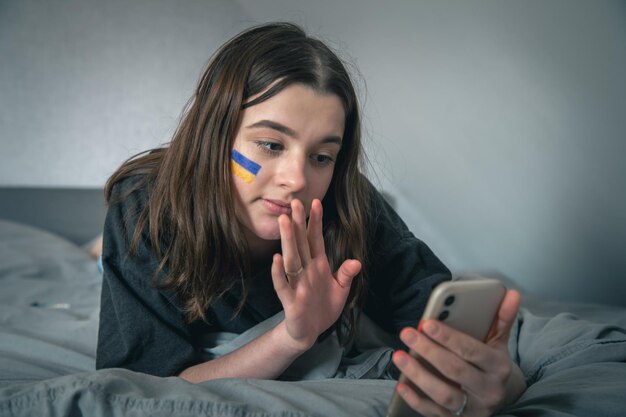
243,167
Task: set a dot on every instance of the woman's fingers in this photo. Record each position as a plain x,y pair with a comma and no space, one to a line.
444,394
507,313
298,221
315,233
420,402
291,255
481,369
347,271
293,238
472,350
308,240
447,364
281,285
452,363
464,346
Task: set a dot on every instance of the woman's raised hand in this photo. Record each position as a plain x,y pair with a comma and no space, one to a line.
312,295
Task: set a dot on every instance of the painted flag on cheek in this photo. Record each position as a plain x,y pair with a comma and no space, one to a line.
243,167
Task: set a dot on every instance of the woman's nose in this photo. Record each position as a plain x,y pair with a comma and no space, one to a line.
292,174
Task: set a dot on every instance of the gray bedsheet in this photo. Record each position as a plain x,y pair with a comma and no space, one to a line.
573,356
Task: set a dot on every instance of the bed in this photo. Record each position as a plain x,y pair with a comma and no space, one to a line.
572,355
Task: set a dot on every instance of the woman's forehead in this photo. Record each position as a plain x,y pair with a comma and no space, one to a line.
297,109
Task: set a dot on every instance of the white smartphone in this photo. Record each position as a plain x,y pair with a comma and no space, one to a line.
468,305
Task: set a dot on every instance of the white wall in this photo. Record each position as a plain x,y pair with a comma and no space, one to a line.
85,84
498,125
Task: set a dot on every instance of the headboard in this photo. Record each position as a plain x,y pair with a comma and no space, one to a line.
74,213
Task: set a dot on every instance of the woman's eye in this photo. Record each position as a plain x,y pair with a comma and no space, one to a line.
269,147
322,160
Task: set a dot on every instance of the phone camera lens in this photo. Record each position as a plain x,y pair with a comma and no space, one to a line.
444,315
449,300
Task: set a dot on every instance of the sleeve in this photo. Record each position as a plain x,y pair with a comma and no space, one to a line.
403,271
141,327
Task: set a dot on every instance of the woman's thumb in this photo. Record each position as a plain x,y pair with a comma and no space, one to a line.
347,271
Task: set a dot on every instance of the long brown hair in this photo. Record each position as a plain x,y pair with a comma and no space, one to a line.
191,201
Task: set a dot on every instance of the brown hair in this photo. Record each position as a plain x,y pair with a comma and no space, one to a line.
191,201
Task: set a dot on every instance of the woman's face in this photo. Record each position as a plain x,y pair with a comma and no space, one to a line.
293,139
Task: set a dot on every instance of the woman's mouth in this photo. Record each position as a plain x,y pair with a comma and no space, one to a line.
277,207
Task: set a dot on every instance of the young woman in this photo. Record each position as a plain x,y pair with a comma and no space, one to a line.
258,206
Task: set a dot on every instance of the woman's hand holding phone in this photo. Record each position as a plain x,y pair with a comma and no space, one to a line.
457,374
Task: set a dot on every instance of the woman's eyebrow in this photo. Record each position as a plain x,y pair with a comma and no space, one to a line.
288,131
275,126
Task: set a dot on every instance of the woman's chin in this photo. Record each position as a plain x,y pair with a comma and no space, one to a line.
267,232
269,235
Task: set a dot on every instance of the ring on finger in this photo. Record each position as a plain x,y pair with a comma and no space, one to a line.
294,274
461,409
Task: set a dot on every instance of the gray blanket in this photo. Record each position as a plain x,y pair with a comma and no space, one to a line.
573,356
